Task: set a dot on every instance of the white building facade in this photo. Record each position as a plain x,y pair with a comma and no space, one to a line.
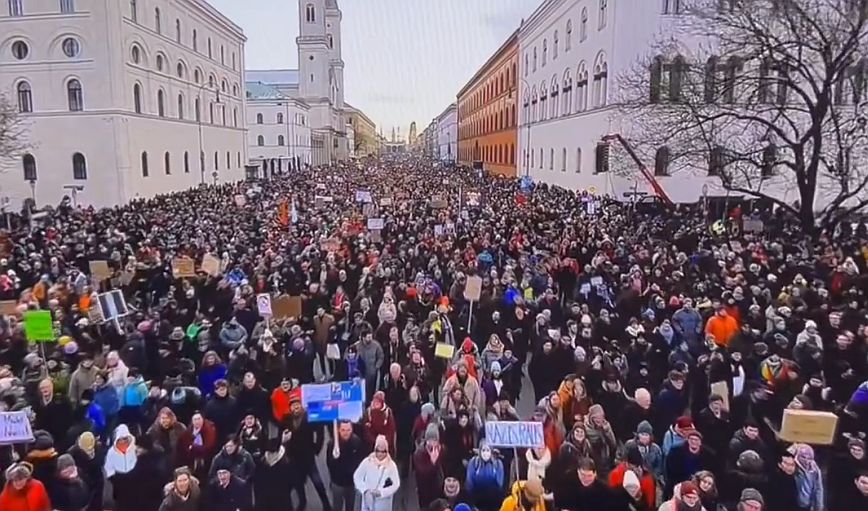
122,99
571,53
277,129
447,134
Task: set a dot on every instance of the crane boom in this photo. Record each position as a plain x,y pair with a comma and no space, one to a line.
649,176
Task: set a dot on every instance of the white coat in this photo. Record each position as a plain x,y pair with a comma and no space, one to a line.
371,476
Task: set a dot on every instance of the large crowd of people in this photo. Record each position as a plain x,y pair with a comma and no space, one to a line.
659,355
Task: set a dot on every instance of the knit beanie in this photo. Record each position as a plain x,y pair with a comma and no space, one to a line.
432,432
752,494
645,427
750,460
64,461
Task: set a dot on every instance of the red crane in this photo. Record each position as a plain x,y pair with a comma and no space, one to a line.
649,176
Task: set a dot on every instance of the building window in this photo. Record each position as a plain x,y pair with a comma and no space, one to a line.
198,110
235,117
161,103
186,162
310,13
279,118
259,118
564,160
79,166
29,163
15,8
331,42
661,161
197,76
770,159
177,31
601,81
583,25
71,47
555,46
551,159
211,112
223,115
602,158
160,63
540,158
25,98
216,161
233,62
137,98
136,55
222,55
578,160
260,141
526,66
604,14
238,155
228,161
145,164
545,52
534,59
717,161
180,106
180,70
158,24
568,43
195,40
210,50
134,11
671,6
74,96
167,163
20,50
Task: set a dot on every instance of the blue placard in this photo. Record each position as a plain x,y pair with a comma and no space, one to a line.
340,400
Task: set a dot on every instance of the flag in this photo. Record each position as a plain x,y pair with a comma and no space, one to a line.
283,214
294,213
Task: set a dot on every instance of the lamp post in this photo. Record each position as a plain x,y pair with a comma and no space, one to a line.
199,122
527,123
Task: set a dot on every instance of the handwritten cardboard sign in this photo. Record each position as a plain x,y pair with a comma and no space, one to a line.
15,428
809,427
514,434
211,265
8,307
183,267
100,270
286,307
473,288
443,350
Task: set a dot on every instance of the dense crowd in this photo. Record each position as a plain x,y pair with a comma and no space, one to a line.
659,355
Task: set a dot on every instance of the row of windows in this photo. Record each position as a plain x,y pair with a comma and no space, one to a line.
139,57
299,119
194,35
260,140
602,20
566,98
167,162
500,154
494,87
480,125
79,167
16,7
163,109
70,46
74,96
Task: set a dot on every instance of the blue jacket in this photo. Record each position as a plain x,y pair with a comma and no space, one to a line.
688,325
209,375
484,475
671,440
106,397
95,414
134,394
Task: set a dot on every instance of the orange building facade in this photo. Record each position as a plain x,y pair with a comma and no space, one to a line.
487,123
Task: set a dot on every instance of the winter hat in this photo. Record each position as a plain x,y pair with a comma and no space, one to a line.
177,334
427,409
64,461
379,400
684,422
462,507
144,326
630,480
688,488
42,440
804,400
18,471
70,348
645,427
381,443
86,441
750,460
533,490
634,456
432,432
694,433
495,367
596,411
751,494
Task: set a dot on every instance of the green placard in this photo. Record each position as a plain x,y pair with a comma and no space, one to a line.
38,327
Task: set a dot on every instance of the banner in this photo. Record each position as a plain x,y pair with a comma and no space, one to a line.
38,326
15,428
376,224
328,402
514,434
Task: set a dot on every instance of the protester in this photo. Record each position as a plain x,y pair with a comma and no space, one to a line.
22,492
376,478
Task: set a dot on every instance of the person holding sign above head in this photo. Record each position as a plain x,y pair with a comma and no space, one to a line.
344,453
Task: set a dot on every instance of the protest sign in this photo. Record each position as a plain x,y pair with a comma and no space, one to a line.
439,203
94,313
472,199
286,307
328,402
263,304
240,200
753,226
211,265
100,270
386,201
809,427
443,350
363,196
112,305
376,224
15,428
369,209
439,230
721,388
183,267
330,244
514,434
473,288
38,326
8,307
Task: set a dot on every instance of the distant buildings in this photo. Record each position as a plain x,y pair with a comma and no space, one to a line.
365,143
278,124
447,134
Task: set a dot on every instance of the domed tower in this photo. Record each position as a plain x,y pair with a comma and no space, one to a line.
412,133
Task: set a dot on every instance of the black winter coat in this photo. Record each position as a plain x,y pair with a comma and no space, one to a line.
69,494
235,496
272,485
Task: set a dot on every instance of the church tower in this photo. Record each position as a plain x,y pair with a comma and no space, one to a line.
336,63
313,51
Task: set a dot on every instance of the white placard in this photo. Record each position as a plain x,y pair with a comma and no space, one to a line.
15,428
376,224
263,304
514,434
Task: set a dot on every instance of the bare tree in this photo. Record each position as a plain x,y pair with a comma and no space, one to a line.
769,95
12,134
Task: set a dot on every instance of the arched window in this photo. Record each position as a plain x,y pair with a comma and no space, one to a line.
280,140
137,98
770,159
568,43
331,41
601,81
555,43
661,161
198,107
582,88
197,76
186,162
29,163
235,117
676,78
25,98
167,163
180,106
310,13
545,52
604,13
551,159
583,25
74,95
180,70
259,119
160,62
195,40
134,11
279,118
216,161
145,164
161,103
717,161
158,25
136,54
260,141
177,31
578,160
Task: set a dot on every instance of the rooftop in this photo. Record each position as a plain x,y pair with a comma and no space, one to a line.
272,76
259,90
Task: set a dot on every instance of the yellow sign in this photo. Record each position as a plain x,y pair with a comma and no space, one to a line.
443,350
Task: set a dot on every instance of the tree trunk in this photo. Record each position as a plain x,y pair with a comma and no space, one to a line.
807,219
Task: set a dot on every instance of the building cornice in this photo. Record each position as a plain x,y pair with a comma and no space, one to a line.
206,9
507,45
539,16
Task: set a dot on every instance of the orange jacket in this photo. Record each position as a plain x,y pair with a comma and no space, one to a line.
722,328
32,498
646,483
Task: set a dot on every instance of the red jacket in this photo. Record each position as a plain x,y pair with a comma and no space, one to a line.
646,483
190,454
32,498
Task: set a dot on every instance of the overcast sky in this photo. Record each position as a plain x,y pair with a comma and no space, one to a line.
404,59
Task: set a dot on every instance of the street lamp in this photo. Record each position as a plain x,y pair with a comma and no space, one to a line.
527,123
199,121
